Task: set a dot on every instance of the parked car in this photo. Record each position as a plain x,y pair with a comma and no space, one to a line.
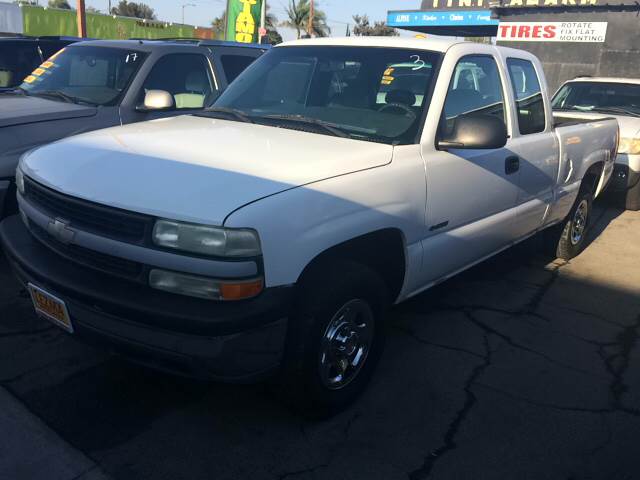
590,98
20,55
270,233
102,83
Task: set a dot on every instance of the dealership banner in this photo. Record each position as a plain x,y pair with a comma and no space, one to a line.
243,20
590,32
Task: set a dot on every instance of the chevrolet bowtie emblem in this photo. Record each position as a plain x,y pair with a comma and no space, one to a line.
59,229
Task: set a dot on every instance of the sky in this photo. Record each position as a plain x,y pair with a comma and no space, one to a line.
339,12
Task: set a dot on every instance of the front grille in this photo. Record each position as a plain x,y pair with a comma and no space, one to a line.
89,258
104,221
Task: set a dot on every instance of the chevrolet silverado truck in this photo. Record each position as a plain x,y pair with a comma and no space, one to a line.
267,235
591,98
103,83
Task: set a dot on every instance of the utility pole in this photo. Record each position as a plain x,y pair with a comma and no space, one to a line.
263,21
310,27
82,19
109,11
186,5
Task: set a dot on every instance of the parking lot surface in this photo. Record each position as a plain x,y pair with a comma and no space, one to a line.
523,367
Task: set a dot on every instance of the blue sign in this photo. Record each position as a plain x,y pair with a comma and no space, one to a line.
441,19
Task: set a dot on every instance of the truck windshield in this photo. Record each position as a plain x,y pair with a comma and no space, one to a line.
373,94
93,75
604,97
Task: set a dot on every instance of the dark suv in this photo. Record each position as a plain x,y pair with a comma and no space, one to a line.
20,55
103,83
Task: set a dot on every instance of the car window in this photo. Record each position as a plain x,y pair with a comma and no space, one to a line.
529,102
475,88
16,62
366,93
96,75
186,76
234,65
606,97
50,48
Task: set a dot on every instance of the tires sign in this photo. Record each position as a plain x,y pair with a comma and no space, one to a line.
590,32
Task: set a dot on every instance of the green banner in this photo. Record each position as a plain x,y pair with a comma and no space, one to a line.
39,22
243,20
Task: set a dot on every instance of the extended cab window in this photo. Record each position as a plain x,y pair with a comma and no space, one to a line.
16,62
526,89
185,76
371,94
234,65
475,89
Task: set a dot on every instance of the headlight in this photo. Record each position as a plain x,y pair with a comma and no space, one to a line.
20,181
629,146
206,240
203,287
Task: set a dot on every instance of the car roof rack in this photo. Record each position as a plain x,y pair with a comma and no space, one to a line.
205,42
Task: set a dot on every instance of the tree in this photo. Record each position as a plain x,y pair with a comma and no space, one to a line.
363,28
298,13
270,23
63,4
133,9
218,25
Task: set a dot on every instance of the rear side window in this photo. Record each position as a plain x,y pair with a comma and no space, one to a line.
17,61
185,76
234,65
475,89
526,89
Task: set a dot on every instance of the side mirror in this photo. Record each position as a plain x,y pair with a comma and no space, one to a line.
476,131
157,100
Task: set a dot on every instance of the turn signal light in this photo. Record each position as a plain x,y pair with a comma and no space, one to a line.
240,291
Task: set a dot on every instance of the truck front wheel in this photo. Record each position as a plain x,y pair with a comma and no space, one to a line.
575,228
335,338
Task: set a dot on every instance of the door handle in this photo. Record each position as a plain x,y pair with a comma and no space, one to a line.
511,165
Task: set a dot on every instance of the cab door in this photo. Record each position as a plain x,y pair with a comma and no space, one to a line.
535,145
471,194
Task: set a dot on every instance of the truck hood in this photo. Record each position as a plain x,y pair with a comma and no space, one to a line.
192,168
629,126
18,109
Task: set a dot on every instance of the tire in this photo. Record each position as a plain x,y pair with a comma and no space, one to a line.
339,309
574,230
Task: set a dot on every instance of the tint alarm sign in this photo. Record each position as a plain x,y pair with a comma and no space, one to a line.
590,32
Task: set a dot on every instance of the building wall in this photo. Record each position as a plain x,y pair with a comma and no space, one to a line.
618,56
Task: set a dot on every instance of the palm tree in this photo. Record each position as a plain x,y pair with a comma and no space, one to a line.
298,13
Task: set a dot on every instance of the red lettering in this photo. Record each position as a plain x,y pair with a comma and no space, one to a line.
549,31
536,31
503,30
524,31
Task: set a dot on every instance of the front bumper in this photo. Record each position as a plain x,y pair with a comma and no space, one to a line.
234,341
624,188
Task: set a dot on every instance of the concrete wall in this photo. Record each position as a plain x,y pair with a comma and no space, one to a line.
618,56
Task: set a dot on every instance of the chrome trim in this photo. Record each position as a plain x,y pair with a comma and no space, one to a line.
155,258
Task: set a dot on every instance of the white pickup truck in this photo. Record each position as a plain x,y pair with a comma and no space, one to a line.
591,98
269,234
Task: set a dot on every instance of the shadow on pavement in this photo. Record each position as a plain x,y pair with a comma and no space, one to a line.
522,367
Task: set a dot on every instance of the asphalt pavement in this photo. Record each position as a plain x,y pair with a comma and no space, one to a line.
523,367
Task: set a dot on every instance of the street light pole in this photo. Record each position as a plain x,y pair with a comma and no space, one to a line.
184,6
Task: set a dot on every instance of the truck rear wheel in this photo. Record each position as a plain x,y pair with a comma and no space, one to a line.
335,338
575,228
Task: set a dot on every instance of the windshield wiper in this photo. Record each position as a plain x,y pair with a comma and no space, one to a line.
326,126
237,114
62,96
618,110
